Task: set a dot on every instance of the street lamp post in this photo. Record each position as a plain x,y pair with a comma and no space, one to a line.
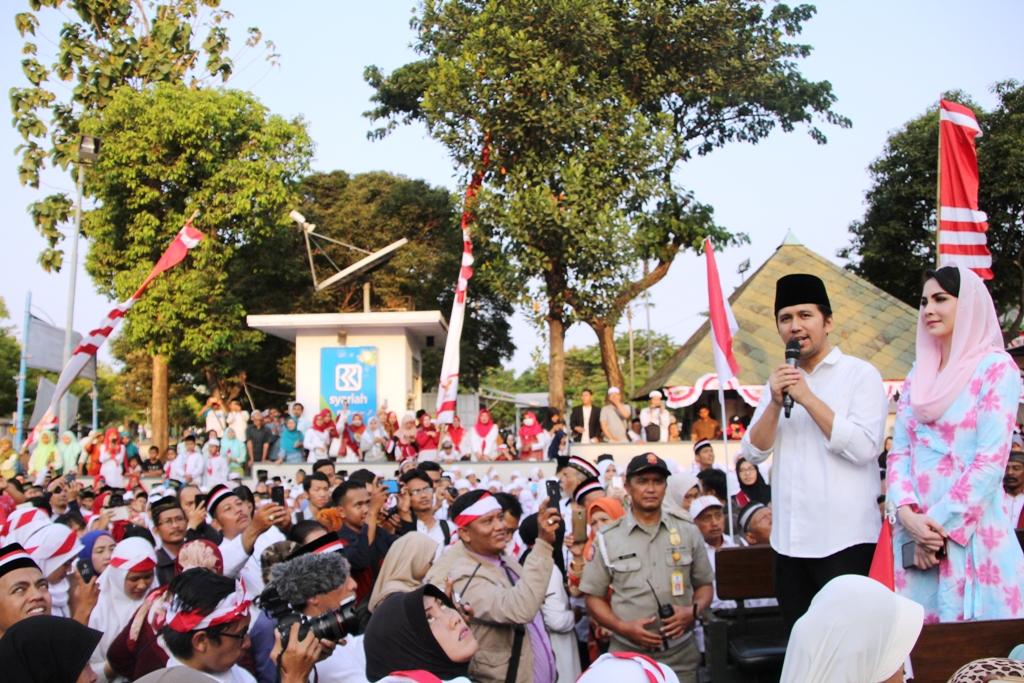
88,152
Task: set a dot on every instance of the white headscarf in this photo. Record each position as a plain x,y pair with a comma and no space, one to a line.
856,631
51,546
114,608
677,486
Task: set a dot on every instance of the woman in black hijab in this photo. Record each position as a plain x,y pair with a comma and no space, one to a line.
418,631
47,649
752,484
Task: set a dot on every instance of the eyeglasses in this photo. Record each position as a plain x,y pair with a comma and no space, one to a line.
171,520
418,492
237,636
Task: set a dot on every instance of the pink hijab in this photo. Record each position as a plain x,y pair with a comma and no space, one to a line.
976,334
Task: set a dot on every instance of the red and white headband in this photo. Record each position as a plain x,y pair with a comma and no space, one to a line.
484,506
133,555
231,608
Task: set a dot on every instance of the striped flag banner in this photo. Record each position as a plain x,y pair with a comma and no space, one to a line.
186,239
963,227
723,324
448,386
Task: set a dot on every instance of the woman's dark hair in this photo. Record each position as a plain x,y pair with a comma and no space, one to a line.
134,530
245,493
197,589
300,530
714,481
948,278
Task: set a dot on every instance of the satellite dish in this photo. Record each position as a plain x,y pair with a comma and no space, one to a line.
364,266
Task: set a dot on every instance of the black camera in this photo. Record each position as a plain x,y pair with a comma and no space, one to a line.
333,626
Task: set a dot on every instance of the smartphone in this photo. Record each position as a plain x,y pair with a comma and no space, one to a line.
453,492
119,514
617,481
200,499
554,490
277,495
907,552
390,485
579,525
85,569
69,478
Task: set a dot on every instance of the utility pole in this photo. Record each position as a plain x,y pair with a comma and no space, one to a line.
632,365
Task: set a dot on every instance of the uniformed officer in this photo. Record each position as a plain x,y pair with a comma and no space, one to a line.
658,568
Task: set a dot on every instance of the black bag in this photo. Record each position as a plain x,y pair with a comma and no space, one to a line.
652,432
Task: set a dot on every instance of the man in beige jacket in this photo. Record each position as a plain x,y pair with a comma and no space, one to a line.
503,597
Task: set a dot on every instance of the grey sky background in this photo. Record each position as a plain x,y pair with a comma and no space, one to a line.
887,61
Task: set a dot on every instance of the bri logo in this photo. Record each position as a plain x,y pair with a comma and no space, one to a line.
348,377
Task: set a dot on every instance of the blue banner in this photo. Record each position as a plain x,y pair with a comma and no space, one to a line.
349,373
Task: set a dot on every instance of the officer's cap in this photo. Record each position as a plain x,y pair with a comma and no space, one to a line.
647,462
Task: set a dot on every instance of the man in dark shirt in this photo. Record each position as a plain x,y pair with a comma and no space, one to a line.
258,438
365,542
152,466
169,524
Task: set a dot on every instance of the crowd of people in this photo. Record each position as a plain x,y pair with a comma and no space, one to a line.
180,566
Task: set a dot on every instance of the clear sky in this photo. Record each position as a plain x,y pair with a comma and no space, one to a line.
888,62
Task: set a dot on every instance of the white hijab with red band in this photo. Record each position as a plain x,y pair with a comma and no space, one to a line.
486,505
627,667
51,546
231,608
22,523
115,608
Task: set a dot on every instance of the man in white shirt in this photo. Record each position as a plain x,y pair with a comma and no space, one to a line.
245,536
655,419
824,470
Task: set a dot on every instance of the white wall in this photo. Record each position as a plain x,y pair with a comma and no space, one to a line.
394,370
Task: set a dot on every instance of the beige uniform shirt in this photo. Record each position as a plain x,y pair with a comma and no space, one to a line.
669,558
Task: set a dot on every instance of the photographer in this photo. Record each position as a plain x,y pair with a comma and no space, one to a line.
315,586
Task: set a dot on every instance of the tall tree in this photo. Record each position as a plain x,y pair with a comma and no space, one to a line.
104,45
168,151
895,241
371,210
590,107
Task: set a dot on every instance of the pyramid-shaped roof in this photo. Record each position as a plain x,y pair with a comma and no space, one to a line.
868,323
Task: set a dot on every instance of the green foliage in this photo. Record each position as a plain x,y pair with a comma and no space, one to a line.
171,150
895,241
583,367
104,45
589,107
372,210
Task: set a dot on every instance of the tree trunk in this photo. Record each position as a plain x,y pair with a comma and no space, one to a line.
158,402
605,331
556,362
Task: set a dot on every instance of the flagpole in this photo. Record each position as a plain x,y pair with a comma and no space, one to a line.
938,194
725,446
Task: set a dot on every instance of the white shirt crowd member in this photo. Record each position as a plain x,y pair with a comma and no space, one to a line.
823,496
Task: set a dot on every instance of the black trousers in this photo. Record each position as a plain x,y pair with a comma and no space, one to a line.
798,579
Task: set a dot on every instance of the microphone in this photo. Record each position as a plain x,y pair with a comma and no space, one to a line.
793,361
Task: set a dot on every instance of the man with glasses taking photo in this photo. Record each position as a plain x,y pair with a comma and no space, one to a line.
416,508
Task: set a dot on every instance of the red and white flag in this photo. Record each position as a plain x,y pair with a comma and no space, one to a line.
723,324
962,227
448,386
186,239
